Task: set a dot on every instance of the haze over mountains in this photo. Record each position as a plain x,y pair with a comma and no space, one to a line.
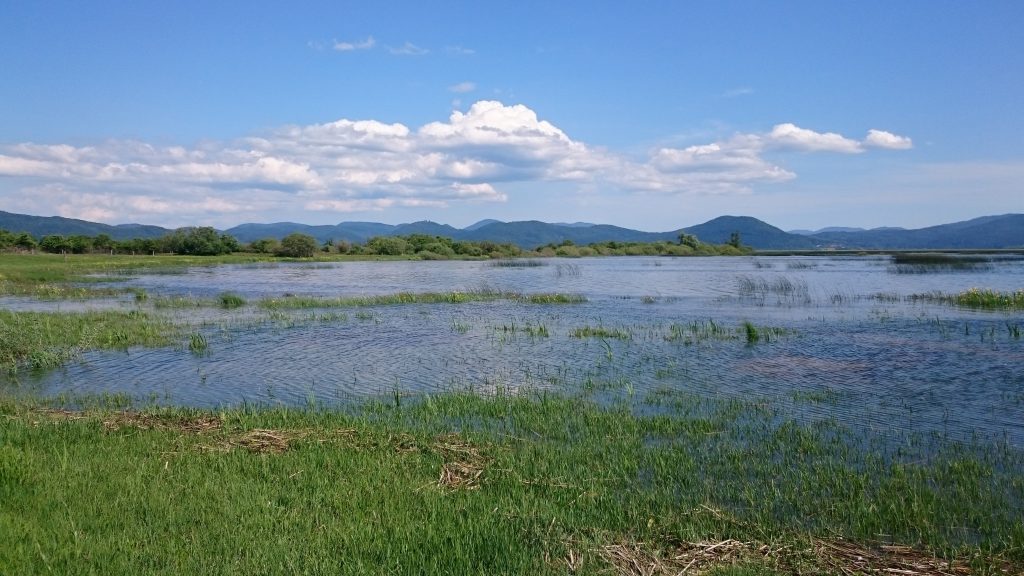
1003,231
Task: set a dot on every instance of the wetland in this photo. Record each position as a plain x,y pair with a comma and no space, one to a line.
627,411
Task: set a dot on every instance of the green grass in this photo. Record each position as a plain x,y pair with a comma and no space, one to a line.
599,332
39,340
977,298
466,484
230,300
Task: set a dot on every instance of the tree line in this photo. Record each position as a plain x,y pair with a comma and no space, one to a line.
206,241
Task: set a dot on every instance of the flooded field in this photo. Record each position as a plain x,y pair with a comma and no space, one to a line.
859,339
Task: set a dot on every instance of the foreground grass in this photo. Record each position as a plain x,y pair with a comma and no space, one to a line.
508,484
40,340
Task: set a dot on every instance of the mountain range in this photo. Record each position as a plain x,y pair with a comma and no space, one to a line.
1003,231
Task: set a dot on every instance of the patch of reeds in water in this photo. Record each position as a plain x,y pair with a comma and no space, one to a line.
781,286
936,262
600,332
230,300
976,298
517,263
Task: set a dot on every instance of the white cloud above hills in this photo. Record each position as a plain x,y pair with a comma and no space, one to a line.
367,165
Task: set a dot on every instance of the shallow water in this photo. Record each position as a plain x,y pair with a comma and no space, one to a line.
840,350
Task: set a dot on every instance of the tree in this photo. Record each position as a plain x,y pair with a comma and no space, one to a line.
265,245
203,241
688,240
297,246
55,244
734,240
25,241
103,242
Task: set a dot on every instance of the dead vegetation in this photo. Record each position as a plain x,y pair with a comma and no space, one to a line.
463,463
838,557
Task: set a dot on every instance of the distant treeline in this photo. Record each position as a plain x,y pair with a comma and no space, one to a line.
206,241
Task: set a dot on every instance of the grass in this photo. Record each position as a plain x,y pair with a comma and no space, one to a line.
292,302
230,300
529,483
599,332
38,340
977,298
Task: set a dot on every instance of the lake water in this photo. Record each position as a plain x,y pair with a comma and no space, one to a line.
839,338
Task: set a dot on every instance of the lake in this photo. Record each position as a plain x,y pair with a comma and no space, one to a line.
837,337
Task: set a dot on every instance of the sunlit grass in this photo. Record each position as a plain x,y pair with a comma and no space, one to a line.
527,483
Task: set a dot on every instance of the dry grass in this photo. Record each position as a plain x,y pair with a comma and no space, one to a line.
838,557
842,557
632,559
463,463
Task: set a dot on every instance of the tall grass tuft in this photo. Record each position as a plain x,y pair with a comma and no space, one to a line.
230,300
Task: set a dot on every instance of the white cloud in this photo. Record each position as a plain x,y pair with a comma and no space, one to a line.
408,49
462,87
459,50
792,136
342,46
883,139
737,92
364,165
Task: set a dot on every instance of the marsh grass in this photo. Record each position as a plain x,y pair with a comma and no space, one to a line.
937,262
230,300
532,483
290,302
600,332
787,289
39,340
517,263
976,298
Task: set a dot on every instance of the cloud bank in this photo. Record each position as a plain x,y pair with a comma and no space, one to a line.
367,165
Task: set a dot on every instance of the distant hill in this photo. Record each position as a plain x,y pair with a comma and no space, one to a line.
1003,231
40,226
753,232
482,223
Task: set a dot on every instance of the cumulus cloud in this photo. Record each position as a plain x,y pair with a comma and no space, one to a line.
792,136
462,87
363,165
342,46
883,139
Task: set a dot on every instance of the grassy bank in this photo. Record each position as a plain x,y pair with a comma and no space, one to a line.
506,484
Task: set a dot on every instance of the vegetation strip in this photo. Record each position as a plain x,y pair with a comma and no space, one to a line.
289,302
529,483
978,298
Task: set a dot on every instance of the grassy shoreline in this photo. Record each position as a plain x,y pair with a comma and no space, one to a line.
529,483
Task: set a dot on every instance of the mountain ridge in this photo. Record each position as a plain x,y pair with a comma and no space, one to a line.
985,232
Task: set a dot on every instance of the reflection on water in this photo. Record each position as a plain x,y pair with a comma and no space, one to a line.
850,346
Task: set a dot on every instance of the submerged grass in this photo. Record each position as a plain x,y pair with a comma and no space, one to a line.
292,302
39,340
512,484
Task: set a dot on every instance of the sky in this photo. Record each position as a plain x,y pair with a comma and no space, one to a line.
652,115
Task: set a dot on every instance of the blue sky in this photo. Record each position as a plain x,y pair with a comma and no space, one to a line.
652,115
